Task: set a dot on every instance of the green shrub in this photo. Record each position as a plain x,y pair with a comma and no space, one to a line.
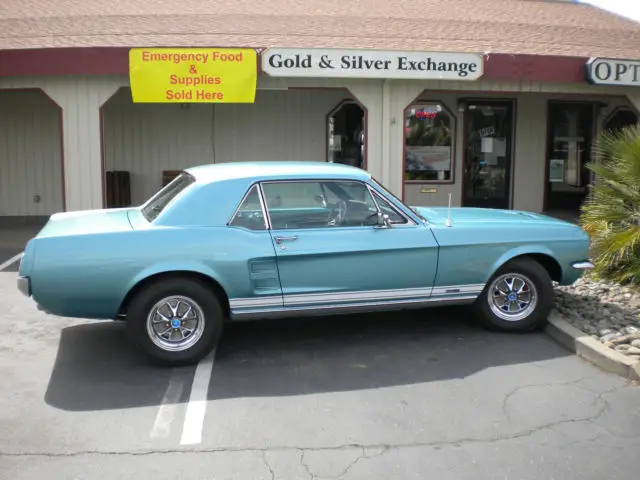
611,214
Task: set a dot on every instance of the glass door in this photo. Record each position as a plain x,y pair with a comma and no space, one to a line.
570,133
487,156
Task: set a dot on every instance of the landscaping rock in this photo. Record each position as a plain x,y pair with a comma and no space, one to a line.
609,313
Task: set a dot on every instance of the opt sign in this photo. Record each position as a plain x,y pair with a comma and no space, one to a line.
608,71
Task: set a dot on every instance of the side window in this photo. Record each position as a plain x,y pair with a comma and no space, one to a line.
249,214
289,195
386,207
323,204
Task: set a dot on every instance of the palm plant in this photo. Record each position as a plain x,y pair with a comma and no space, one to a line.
611,214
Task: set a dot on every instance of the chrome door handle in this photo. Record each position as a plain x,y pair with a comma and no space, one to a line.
279,239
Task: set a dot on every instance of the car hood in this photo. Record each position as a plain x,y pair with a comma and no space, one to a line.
467,215
86,222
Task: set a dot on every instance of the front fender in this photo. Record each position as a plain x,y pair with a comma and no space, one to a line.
517,252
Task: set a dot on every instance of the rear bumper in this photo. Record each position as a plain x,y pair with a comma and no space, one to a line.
24,286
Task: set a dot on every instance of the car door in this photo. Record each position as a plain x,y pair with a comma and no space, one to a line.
251,267
329,256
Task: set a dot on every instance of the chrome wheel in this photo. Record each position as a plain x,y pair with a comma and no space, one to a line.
175,323
512,297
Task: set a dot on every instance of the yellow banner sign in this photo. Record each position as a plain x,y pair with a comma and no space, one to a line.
186,75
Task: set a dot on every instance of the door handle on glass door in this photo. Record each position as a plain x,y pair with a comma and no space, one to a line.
279,239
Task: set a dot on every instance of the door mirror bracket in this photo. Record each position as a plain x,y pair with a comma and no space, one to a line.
383,221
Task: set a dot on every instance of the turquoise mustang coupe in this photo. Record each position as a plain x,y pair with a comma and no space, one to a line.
235,241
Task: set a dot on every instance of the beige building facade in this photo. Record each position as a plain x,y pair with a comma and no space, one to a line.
503,140
505,121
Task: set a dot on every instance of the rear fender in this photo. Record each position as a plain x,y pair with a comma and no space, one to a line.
192,267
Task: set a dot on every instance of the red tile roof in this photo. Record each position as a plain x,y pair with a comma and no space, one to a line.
495,26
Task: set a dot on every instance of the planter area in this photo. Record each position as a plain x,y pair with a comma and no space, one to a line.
607,312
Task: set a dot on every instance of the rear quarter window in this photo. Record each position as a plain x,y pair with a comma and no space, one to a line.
156,204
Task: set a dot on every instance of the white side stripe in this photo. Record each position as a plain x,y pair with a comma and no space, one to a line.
354,296
322,307
270,301
457,289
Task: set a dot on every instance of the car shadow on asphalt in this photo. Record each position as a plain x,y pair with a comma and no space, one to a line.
97,368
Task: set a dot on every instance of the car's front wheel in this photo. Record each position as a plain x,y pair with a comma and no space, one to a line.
175,321
517,298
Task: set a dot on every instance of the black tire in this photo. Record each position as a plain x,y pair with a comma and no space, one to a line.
536,318
204,302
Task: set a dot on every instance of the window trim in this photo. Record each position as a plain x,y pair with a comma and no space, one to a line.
367,185
408,221
262,206
397,202
454,137
154,198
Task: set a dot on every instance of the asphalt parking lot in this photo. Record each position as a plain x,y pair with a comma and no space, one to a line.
12,242
411,396
9,258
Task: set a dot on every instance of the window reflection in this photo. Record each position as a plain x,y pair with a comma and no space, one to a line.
429,130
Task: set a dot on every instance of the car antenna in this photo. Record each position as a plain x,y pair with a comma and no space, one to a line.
448,221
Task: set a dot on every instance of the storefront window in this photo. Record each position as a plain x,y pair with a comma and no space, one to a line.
429,130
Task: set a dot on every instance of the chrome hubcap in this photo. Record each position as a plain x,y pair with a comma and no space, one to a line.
175,323
512,297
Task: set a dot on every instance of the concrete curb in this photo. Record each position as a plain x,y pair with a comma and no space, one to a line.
591,349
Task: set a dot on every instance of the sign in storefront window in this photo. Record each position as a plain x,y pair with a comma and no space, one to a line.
556,170
429,130
199,75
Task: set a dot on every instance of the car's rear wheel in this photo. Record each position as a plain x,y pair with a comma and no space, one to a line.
517,298
175,321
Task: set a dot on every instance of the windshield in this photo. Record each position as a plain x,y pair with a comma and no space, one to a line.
161,199
397,199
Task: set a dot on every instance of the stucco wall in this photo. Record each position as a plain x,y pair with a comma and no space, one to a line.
30,154
146,139
81,98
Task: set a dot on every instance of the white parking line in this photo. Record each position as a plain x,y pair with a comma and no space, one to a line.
166,412
197,406
11,261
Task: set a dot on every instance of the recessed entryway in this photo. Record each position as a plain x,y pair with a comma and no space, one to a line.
345,128
488,157
571,129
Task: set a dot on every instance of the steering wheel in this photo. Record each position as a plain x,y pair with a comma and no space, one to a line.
338,213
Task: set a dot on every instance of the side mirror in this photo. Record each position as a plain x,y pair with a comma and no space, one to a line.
383,221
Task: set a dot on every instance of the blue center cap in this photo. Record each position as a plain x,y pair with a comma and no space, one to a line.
512,297
175,323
